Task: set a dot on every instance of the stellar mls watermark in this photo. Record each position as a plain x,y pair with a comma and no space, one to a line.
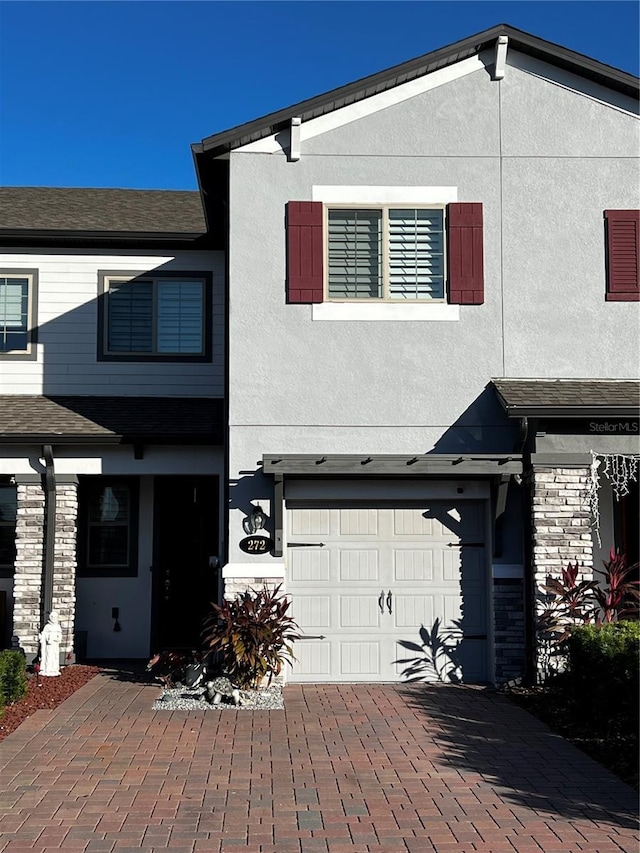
615,427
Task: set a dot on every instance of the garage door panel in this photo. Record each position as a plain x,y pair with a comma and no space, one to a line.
313,660
309,522
451,566
412,610
309,565
360,658
359,611
412,565
416,557
311,611
412,522
358,565
358,522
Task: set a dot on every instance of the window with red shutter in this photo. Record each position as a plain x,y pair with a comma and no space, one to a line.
305,280
622,252
390,253
465,253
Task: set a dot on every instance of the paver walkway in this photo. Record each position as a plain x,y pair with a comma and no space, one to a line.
344,769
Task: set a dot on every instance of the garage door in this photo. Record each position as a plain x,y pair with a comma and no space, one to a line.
388,593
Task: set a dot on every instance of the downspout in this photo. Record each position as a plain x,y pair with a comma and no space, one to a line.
49,534
529,592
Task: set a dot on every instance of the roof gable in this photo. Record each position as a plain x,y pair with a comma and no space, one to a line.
413,70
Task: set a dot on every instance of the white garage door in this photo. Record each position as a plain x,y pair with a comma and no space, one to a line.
388,593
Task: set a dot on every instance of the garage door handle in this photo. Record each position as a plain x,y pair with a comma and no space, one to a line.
381,602
389,601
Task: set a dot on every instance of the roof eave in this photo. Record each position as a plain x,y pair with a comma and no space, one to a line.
264,126
577,412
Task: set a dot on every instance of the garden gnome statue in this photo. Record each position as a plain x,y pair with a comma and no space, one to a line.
50,640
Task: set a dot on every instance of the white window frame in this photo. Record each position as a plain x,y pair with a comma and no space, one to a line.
154,355
384,208
31,275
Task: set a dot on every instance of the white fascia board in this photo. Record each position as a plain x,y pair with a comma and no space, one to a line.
369,106
572,82
383,194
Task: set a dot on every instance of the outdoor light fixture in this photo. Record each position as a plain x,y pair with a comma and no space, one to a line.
255,521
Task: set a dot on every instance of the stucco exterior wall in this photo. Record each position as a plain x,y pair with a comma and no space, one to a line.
546,154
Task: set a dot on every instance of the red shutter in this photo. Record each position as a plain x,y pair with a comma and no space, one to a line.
623,263
304,251
465,253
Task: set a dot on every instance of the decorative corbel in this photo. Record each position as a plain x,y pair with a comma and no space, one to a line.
500,63
294,146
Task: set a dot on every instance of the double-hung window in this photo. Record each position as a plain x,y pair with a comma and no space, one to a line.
18,299
156,317
389,253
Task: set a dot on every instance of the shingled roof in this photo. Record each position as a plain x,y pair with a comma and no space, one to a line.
569,397
67,419
111,211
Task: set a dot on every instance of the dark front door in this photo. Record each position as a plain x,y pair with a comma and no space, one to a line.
185,541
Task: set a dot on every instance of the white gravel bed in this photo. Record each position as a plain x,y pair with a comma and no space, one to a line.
185,699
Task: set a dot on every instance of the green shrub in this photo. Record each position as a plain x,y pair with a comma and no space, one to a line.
13,677
603,673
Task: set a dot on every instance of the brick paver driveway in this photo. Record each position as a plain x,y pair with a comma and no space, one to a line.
345,769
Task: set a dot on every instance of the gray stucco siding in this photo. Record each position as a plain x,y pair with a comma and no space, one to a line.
350,373
456,119
540,118
554,268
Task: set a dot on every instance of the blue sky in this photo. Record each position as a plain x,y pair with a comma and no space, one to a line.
112,93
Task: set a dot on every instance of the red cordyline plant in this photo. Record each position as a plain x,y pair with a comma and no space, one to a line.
618,598
252,635
570,601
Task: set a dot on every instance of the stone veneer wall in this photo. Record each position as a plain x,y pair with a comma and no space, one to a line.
561,529
509,637
65,563
234,587
27,582
561,521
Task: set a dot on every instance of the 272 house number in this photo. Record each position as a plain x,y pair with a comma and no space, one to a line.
255,544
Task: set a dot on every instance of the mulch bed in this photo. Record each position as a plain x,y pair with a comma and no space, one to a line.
617,751
45,694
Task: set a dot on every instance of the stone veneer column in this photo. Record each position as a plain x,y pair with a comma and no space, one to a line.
65,561
561,521
27,582
561,529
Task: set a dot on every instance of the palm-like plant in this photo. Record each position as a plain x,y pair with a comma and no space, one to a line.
252,635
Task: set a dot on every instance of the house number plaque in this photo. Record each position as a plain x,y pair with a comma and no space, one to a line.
256,544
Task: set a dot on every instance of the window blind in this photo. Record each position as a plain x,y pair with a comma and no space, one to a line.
355,253
14,313
416,254
131,317
179,323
